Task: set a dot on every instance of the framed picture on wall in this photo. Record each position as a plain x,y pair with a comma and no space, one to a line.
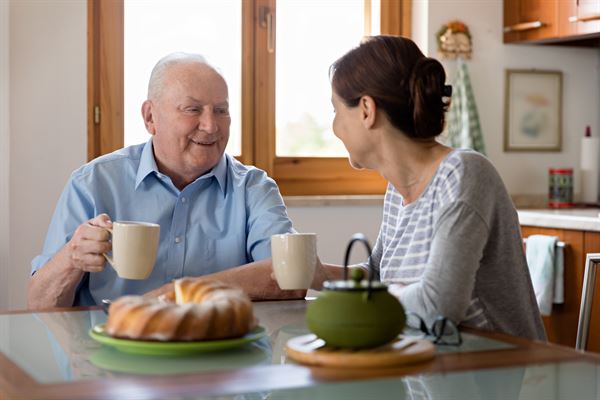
532,110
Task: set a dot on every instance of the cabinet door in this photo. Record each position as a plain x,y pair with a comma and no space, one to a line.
561,325
511,19
592,245
588,16
534,20
567,9
544,11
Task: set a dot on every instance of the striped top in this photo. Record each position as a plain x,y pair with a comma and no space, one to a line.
407,231
446,247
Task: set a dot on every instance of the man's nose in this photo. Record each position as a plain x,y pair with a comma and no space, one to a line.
208,122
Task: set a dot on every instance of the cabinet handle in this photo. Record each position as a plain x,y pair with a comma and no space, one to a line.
524,26
585,18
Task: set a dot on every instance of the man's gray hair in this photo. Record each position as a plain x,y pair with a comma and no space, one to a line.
155,85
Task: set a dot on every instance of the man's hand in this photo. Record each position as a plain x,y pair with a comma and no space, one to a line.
256,279
54,284
165,292
89,242
269,289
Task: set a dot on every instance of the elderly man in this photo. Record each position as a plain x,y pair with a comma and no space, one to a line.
216,215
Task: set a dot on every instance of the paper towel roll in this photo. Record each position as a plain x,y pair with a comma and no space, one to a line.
589,186
590,165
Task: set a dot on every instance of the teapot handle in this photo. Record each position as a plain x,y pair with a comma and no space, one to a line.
359,237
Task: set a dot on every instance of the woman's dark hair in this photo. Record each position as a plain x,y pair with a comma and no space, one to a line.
408,86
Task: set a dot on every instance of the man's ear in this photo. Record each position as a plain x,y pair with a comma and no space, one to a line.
368,111
148,117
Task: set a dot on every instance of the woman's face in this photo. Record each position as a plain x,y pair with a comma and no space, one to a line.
348,128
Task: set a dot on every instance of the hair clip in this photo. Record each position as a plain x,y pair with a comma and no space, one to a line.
447,90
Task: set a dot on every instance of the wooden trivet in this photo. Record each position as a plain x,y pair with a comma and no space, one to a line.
309,349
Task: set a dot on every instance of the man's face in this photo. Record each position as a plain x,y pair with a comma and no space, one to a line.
190,121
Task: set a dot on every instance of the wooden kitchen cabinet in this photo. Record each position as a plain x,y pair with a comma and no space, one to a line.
527,20
588,17
551,20
592,245
566,10
561,325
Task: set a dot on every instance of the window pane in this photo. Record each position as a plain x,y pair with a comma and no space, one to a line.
311,35
155,28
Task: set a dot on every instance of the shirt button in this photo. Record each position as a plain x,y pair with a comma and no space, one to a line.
178,239
183,199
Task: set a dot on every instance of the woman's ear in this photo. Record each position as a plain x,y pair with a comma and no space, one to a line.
148,117
368,111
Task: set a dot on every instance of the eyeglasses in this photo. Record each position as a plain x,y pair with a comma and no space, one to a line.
443,330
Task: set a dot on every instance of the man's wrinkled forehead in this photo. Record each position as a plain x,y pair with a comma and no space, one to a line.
183,76
193,71
197,80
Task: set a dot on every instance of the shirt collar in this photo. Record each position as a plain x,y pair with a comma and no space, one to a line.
148,165
220,173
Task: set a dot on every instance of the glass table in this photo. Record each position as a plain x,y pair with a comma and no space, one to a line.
572,380
52,355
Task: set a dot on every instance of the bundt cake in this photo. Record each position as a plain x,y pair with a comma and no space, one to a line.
196,309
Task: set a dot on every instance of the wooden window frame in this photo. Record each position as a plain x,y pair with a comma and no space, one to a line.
105,76
294,175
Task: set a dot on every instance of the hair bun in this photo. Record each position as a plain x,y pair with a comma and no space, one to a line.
427,88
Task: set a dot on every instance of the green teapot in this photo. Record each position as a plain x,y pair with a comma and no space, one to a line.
354,313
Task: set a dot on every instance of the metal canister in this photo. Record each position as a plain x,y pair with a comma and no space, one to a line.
560,185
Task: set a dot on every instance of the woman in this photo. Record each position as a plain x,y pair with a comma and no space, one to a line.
450,243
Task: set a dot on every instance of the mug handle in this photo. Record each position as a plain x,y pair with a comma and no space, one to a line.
109,258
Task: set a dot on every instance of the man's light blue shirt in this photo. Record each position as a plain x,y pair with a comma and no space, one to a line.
223,219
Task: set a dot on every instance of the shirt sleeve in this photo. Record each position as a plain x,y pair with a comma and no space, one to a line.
446,287
267,216
74,207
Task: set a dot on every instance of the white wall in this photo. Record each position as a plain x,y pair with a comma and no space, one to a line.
47,122
523,173
420,33
47,135
4,153
335,225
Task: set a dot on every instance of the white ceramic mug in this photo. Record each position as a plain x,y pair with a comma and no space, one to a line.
294,259
134,246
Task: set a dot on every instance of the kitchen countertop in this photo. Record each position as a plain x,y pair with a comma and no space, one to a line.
584,219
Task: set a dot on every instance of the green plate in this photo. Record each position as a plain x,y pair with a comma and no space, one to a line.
156,348
111,359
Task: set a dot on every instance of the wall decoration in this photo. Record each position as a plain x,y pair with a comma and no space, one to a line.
532,110
454,41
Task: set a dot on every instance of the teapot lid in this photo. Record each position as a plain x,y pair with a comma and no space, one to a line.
355,283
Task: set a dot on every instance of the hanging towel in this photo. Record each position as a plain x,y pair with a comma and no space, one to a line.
559,276
546,266
464,130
